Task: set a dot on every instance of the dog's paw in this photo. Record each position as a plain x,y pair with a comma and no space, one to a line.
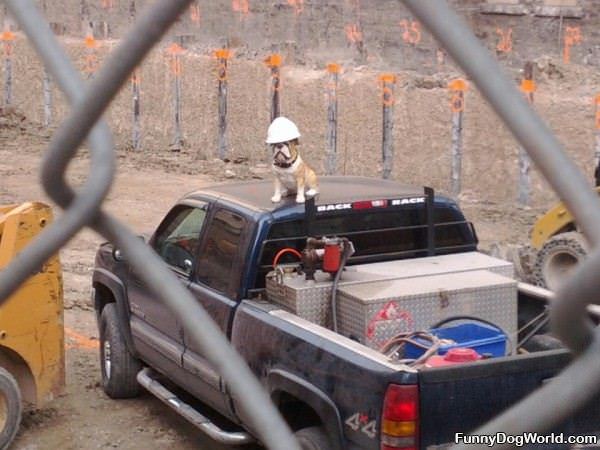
276,198
300,199
312,192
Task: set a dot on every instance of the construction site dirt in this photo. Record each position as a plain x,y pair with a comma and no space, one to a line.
146,185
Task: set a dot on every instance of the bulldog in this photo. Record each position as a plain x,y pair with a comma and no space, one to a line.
292,174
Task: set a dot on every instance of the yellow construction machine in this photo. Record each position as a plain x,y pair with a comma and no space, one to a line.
32,355
559,246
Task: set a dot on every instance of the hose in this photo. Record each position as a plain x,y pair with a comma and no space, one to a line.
391,347
283,251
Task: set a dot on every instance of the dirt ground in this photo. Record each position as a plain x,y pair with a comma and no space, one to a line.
146,185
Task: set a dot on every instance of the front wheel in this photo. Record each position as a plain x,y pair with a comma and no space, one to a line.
118,366
11,408
313,438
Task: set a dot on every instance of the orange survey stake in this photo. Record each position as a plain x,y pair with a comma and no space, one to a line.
528,86
175,51
458,88
273,60
387,94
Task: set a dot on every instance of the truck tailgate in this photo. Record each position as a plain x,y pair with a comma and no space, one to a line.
461,398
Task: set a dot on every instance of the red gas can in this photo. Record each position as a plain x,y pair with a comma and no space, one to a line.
458,355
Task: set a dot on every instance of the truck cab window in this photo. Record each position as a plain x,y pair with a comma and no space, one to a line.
177,239
217,262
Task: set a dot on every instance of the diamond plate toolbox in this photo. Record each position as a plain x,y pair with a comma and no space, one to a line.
434,265
373,312
311,300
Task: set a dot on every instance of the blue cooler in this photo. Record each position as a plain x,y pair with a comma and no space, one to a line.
484,339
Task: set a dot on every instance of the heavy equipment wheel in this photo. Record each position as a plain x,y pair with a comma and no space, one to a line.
119,368
313,438
558,257
11,408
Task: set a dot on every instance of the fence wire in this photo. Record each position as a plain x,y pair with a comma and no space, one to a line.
84,207
558,400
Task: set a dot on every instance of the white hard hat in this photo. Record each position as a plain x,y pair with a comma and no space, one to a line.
282,129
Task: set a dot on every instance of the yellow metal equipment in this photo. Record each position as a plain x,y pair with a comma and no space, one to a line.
559,246
32,357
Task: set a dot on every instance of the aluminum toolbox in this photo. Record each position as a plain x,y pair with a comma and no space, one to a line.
432,265
311,300
373,312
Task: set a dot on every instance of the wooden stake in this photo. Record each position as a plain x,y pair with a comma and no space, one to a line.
175,51
528,87
332,86
457,104
222,56
8,38
136,134
274,63
387,82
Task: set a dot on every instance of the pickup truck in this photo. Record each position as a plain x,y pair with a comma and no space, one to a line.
335,391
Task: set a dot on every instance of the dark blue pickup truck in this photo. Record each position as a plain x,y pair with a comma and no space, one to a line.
236,252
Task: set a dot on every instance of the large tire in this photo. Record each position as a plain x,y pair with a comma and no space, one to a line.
558,257
313,438
119,368
11,408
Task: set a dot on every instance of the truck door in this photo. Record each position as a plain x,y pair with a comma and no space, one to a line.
215,284
158,335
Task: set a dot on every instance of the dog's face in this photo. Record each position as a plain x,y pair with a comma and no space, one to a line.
284,152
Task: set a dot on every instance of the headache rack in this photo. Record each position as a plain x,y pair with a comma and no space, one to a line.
384,243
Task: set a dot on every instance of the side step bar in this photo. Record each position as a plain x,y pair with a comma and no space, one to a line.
144,377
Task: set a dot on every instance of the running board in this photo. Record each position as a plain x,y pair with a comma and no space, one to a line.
144,377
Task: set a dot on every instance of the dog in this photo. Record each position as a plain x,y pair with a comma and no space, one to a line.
292,174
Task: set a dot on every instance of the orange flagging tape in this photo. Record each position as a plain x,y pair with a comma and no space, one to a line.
458,85
274,60
528,86
333,68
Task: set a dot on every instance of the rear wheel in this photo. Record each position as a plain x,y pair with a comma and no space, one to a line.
313,438
558,258
119,368
11,408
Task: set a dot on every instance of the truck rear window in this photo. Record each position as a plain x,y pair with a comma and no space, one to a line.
377,236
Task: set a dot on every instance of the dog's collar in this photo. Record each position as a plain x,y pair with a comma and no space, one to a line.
285,165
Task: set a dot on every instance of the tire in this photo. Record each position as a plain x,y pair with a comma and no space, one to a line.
557,259
11,408
118,367
313,438
543,342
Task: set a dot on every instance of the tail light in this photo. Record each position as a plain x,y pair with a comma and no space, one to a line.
400,418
